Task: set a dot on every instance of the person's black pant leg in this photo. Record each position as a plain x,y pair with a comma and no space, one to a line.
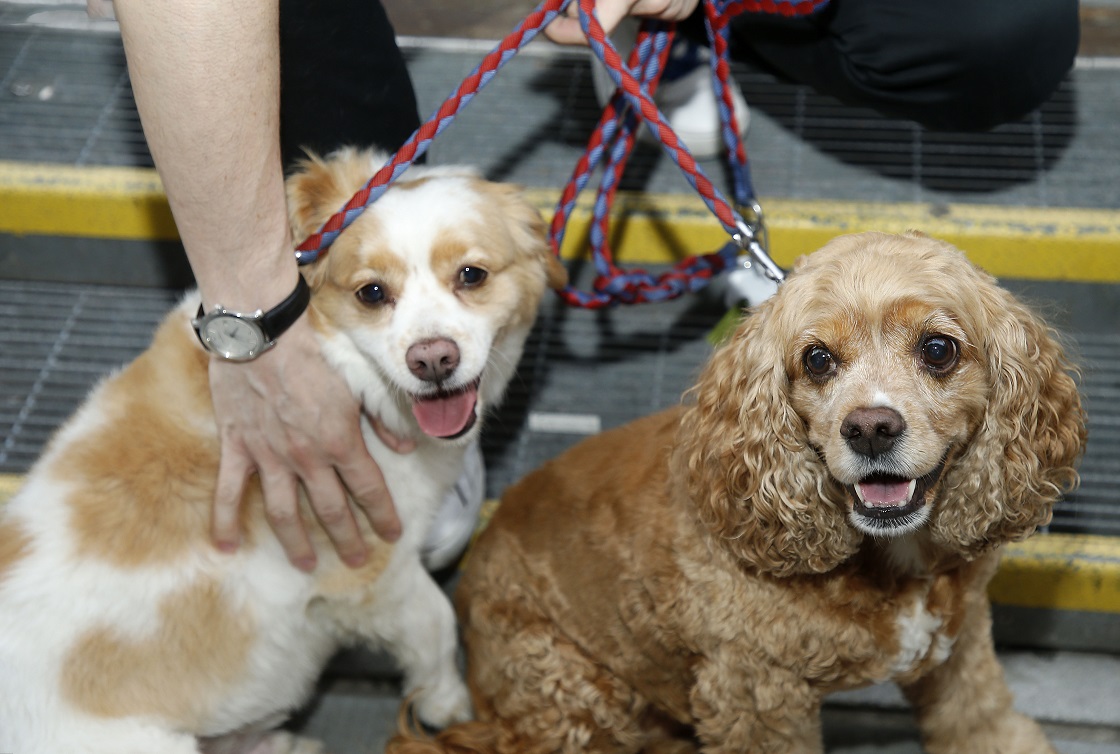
343,80
948,64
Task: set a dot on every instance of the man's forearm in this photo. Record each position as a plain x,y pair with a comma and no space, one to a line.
206,79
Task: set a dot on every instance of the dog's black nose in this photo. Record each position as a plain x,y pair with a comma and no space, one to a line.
872,431
433,360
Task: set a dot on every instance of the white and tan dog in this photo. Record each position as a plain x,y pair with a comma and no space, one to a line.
124,631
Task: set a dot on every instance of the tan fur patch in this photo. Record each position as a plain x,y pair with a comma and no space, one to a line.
200,647
450,248
353,268
339,579
952,593
412,183
512,257
144,479
485,245
347,268
14,546
321,187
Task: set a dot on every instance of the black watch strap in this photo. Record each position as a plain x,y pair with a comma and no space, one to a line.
279,318
282,316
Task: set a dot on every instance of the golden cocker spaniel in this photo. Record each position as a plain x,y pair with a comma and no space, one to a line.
825,512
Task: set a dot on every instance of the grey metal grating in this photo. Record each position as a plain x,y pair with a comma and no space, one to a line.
801,144
56,342
1095,506
617,365
64,98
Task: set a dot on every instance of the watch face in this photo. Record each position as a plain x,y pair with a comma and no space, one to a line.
233,337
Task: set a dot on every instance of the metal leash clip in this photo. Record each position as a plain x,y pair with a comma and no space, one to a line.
754,240
756,276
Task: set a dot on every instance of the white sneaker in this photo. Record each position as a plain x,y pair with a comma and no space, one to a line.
685,95
748,283
455,523
690,106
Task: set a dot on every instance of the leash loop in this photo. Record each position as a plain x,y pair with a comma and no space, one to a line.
748,236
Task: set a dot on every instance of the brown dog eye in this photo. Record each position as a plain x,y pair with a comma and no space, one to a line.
819,361
469,277
372,294
939,353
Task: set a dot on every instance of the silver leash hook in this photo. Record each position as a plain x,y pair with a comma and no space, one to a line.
753,239
753,218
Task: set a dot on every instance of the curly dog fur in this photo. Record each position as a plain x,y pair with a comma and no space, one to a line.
825,512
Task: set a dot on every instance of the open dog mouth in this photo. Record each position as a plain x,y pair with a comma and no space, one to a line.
447,414
886,501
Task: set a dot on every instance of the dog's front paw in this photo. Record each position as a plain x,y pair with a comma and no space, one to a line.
281,742
300,745
1011,734
275,742
1019,734
443,705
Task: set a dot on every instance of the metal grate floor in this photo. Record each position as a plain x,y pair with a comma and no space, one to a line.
56,342
65,98
802,145
581,371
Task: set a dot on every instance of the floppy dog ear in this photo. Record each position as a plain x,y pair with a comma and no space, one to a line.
1033,431
318,187
528,230
749,468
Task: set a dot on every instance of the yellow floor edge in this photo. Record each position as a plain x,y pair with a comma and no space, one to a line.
1048,571
1023,242
1060,572
90,202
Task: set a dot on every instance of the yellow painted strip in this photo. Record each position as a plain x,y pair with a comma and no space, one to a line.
91,202
9,484
1060,572
1049,571
1023,242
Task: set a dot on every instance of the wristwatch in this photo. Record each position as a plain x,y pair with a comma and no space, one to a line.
236,336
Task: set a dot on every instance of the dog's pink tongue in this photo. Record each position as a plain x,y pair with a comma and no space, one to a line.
445,415
884,494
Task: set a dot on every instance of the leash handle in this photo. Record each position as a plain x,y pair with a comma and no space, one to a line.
643,104
636,83
317,244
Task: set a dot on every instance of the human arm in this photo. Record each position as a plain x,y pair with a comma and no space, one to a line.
205,75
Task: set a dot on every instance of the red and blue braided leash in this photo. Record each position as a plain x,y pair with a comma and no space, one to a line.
612,139
417,144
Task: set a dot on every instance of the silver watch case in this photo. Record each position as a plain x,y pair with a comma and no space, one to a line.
233,336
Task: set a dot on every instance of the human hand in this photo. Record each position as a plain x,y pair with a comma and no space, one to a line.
290,418
566,29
